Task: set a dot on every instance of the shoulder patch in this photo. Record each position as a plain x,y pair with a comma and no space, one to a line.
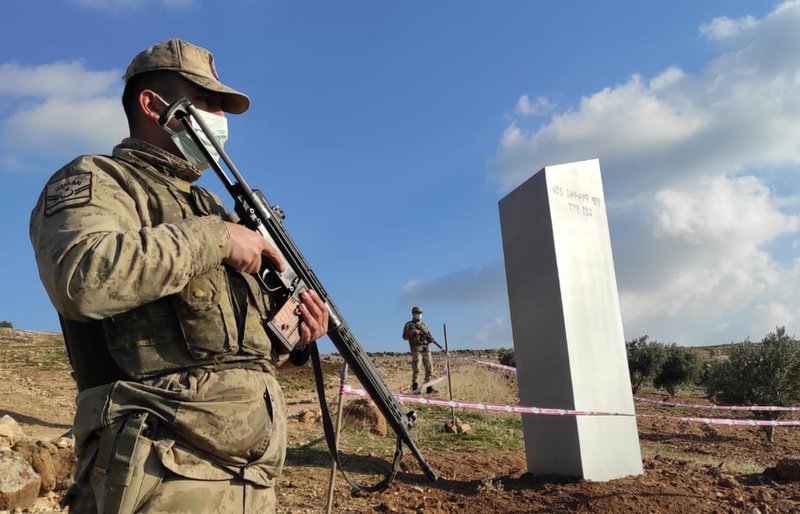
67,192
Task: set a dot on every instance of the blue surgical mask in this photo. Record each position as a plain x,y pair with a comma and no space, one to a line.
217,125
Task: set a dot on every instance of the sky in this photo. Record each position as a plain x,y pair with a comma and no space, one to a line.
389,131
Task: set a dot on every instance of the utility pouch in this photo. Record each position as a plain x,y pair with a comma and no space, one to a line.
127,469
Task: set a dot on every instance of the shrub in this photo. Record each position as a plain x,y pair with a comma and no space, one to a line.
680,367
758,374
645,359
6,324
506,357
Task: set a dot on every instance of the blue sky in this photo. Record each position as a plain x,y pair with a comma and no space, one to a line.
388,131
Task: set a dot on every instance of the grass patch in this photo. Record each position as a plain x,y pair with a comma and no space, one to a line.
490,431
736,467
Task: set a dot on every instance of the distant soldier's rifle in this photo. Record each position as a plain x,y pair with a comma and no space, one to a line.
284,289
427,338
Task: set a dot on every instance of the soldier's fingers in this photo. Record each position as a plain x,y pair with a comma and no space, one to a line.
315,313
273,255
310,323
318,309
305,335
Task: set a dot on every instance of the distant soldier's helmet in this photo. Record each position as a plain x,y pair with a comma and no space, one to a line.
416,310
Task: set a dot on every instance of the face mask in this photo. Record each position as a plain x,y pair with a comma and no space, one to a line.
217,125
417,316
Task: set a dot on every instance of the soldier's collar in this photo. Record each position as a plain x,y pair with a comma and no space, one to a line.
138,151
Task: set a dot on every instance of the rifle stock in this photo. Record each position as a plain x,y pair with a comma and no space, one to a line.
284,288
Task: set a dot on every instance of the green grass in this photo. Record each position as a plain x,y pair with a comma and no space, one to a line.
489,431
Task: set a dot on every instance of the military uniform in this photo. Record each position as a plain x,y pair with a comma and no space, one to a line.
418,335
178,406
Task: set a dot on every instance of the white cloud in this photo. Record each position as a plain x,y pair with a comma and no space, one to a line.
724,210
701,244
496,330
55,80
60,110
726,29
537,107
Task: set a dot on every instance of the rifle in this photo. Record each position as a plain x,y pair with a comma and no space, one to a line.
284,289
426,338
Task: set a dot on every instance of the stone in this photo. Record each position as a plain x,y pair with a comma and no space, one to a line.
566,324
54,465
10,431
788,469
363,412
308,416
41,462
459,427
19,483
727,481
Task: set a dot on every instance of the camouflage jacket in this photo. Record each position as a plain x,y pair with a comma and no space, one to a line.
416,332
127,244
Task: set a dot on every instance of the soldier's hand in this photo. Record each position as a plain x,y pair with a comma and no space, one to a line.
247,247
315,317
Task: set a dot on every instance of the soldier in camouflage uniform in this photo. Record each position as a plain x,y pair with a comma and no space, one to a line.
178,407
419,337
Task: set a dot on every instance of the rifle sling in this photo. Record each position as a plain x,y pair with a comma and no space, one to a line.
330,434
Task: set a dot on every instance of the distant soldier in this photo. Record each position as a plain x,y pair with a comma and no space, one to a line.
418,335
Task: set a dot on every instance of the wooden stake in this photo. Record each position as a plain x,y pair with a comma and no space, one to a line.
336,438
447,365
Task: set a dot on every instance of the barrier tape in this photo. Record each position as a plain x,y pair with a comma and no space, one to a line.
518,409
495,365
757,408
753,408
402,398
733,422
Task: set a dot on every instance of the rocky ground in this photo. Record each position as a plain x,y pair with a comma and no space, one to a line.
689,468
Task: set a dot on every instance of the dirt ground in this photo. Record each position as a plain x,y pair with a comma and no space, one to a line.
689,468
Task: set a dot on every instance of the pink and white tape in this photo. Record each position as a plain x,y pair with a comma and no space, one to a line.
518,409
767,408
752,408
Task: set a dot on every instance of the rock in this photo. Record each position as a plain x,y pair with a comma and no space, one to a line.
54,465
65,442
788,469
10,431
41,462
458,428
364,412
19,483
764,496
308,416
727,481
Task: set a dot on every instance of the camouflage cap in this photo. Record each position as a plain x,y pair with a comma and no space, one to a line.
416,310
191,62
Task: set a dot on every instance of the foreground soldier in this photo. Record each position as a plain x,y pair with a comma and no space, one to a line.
418,335
179,409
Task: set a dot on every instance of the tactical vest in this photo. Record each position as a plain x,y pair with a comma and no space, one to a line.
216,321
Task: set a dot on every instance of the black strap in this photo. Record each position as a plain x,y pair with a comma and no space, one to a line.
330,435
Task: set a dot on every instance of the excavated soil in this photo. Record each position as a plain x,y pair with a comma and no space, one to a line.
688,467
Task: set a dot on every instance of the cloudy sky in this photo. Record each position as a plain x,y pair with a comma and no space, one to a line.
389,131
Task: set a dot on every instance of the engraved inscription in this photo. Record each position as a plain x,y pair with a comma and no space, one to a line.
578,202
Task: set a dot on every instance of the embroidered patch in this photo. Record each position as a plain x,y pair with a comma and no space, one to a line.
68,192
